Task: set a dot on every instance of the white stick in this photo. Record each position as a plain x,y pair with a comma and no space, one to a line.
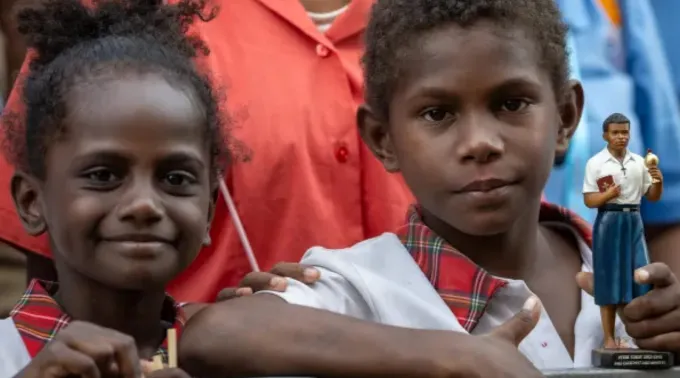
172,348
239,226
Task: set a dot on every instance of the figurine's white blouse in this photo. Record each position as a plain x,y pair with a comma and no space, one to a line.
630,173
378,280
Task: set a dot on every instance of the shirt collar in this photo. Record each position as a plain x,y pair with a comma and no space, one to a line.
38,317
352,22
608,156
463,285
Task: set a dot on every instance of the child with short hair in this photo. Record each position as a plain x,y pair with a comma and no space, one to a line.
470,101
118,159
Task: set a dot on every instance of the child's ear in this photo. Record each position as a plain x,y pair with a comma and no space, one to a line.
375,135
570,116
26,194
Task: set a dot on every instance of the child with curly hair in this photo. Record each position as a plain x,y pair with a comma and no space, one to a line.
117,158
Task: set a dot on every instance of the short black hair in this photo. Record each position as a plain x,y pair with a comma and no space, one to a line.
396,25
74,43
614,118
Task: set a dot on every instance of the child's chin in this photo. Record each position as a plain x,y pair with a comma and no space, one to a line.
135,280
486,225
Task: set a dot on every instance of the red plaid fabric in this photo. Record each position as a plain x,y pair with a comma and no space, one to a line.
464,286
38,317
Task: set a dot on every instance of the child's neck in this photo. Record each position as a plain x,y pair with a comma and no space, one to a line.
135,313
513,254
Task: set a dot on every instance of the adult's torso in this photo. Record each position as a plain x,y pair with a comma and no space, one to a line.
292,94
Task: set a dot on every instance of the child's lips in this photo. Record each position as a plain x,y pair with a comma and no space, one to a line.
138,246
490,196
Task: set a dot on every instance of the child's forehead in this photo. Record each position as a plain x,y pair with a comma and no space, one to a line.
127,98
478,55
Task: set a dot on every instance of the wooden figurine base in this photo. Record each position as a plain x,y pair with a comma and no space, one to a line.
632,359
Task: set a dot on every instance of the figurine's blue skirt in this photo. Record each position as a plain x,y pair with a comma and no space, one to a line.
619,248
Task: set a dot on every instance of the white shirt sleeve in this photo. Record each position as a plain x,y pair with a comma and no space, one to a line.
646,180
590,179
13,353
375,280
332,292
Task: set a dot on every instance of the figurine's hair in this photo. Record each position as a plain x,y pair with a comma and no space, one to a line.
614,118
74,44
396,29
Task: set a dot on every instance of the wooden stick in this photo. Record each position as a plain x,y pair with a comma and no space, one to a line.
172,348
157,363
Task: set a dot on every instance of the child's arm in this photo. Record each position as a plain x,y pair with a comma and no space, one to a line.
262,335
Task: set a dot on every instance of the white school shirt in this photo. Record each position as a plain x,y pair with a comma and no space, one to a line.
378,280
635,180
13,353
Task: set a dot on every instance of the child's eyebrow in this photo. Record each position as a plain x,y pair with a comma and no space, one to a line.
182,157
519,82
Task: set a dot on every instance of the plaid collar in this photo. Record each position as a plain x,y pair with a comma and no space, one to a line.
467,291
38,317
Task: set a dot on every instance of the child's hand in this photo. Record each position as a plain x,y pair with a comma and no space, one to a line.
88,351
653,320
274,280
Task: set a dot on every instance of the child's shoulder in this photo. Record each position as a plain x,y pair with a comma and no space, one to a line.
368,253
13,353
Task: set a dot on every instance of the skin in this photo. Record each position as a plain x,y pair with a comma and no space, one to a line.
617,136
127,201
490,113
323,6
473,104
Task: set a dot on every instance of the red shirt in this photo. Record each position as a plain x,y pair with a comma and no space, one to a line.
292,93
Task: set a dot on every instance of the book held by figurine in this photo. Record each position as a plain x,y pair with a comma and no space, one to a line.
604,183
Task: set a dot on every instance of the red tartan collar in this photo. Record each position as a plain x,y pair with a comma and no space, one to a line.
38,317
464,286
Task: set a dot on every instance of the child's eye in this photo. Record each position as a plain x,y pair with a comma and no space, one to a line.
436,115
179,179
514,105
101,175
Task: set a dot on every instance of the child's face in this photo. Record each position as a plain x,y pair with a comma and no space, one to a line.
127,194
474,126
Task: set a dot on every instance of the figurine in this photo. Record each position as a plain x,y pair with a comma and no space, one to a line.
616,180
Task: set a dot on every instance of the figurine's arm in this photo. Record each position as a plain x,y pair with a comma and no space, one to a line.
595,200
592,197
653,190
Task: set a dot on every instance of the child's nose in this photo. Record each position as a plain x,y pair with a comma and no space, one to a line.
142,207
478,142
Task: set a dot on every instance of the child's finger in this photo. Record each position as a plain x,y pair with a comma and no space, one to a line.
656,303
258,281
653,326
657,274
105,346
664,342
585,282
233,292
298,272
72,362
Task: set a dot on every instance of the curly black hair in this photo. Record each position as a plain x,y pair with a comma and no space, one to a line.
396,26
614,118
76,44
